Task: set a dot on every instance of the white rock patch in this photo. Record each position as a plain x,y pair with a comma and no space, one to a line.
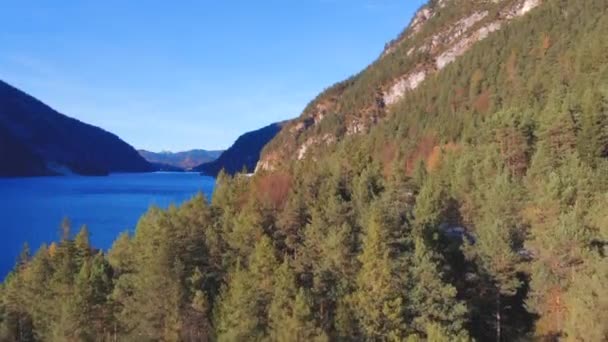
403,85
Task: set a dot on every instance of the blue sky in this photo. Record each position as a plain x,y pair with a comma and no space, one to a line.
176,75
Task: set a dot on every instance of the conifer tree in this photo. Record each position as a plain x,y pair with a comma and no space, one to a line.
592,138
242,312
499,237
158,273
432,302
82,246
290,314
197,325
379,298
236,317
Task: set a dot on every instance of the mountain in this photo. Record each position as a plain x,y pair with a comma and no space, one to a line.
440,33
183,160
37,140
244,153
18,159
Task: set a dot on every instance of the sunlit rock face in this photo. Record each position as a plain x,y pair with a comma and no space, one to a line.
425,49
447,45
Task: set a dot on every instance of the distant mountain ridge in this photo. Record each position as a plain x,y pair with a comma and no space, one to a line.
185,160
243,154
36,140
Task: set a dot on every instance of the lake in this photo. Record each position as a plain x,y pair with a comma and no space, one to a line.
31,209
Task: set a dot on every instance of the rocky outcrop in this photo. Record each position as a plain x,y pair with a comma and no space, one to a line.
520,8
316,115
463,45
446,46
326,139
426,50
403,85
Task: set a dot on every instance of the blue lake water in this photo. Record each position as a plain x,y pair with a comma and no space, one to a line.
31,209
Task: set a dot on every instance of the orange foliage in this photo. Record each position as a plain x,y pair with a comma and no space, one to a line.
387,155
553,313
459,93
52,249
429,151
273,188
512,67
458,99
482,102
545,44
433,161
423,150
476,79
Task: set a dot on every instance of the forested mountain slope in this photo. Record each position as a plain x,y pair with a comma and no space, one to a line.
244,154
476,209
440,32
38,140
18,159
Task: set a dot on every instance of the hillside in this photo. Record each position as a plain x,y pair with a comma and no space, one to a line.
18,159
185,160
38,140
243,154
439,33
472,208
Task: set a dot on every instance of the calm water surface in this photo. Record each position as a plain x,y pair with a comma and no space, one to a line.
31,209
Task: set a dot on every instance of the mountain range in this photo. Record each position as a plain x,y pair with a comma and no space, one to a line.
244,154
36,140
185,160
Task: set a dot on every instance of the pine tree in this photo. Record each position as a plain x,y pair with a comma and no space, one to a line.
16,323
499,237
327,261
120,256
158,273
197,326
291,221
379,298
290,314
82,246
236,317
24,258
560,236
587,298
432,302
592,138
243,309
262,265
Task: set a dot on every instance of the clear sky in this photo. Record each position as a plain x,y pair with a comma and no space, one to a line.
176,75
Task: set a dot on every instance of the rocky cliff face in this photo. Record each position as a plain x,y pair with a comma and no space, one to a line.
451,42
439,33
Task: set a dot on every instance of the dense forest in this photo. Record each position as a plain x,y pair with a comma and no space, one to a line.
477,210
